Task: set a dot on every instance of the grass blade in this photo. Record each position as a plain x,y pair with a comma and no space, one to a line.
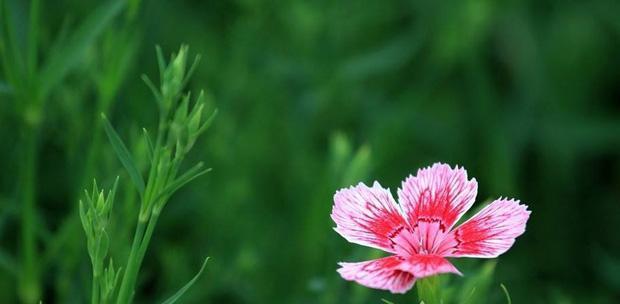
123,155
68,55
189,284
508,300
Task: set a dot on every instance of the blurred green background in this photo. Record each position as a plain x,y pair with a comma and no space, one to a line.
314,96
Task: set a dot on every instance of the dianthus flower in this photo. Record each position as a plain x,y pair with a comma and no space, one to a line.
418,231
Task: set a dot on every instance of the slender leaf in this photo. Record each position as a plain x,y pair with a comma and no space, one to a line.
508,300
149,144
189,284
68,55
476,287
187,177
123,155
153,89
207,122
161,62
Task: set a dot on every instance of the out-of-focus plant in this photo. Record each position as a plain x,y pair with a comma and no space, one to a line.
181,121
109,63
30,83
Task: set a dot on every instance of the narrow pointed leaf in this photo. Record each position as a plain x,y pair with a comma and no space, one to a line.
68,55
506,293
187,177
161,62
192,68
208,122
189,284
149,144
123,155
153,89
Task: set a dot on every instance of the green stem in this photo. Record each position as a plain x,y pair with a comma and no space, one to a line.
133,266
429,290
147,236
142,239
95,291
29,290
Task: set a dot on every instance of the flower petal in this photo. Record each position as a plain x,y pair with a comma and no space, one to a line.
422,265
437,194
368,216
489,233
381,274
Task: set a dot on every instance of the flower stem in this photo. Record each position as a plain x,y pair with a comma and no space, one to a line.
429,290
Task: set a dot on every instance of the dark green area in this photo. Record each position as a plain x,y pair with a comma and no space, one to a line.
314,96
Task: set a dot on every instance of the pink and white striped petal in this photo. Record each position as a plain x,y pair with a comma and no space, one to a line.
437,194
489,233
423,265
368,216
381,274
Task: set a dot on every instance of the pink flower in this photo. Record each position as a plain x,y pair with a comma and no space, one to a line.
418,231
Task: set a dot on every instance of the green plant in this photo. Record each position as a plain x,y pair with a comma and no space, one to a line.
95,211
181,121
31,84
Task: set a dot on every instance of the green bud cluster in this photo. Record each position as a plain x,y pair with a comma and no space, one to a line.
95,211
181,123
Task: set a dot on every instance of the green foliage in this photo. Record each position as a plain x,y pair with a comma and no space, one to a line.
475,287
123,155
505,290
66,53
177,133
31,86
175,297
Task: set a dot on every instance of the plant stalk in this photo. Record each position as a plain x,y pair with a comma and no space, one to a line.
429,290
29,289
133,266
95,291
